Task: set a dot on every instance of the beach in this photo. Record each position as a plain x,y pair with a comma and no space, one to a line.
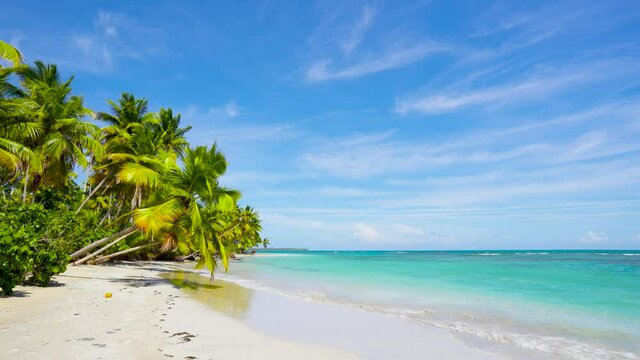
146,318
150,317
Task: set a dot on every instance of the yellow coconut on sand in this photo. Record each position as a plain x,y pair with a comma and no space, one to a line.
108,295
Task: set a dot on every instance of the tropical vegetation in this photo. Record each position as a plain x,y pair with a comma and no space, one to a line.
146,194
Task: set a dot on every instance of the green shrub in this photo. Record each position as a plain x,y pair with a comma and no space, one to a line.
15,252
33,246
46,261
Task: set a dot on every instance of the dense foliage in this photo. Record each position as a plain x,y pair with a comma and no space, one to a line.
32,248
147,192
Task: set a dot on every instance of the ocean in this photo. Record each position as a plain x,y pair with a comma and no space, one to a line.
569,304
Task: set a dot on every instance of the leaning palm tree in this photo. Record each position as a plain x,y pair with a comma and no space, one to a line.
184,215
181,208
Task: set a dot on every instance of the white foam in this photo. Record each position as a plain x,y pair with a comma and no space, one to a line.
631,254
262,254
556,345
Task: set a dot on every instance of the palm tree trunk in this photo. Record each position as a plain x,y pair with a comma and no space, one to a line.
122,234
100,251
121,203
26,181
110,256
134,199
90,195
104,217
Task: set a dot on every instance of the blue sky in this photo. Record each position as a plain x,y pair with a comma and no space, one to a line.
384,125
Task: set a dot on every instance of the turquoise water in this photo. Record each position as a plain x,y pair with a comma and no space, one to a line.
569,304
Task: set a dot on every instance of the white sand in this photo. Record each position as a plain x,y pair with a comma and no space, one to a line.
149,318
75,321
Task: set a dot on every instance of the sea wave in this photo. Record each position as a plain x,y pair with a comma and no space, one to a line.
635,254
560,346
262,254
556,345
488,254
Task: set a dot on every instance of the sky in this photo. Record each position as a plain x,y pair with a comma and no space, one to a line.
383,125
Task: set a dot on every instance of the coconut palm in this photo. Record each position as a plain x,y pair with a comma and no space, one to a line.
128,114
242,229
17,117
185,214
10,54
183,205
64,138
167,133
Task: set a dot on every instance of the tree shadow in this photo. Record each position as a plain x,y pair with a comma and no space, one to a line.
16,293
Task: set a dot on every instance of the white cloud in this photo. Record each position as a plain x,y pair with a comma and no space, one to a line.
214,123
593,237
94,53
114,37
358,29
394,58
406,230
366,232
536,87
351,192
107,23
530,89
231,109
507,24
291,221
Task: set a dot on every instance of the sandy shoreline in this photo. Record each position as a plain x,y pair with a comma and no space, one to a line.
149,317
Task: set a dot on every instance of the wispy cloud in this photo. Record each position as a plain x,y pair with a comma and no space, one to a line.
594,237
231,109
114,36
366,232
510,23
358,29
395,58
535,87
214,123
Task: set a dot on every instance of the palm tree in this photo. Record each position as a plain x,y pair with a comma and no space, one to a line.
64,138
18,123
123,140
183,205
242,229
185,214
10,54
168,134
128,114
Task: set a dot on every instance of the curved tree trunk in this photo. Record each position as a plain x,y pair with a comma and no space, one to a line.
101,250
121,235
26,181
91,194
110,256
